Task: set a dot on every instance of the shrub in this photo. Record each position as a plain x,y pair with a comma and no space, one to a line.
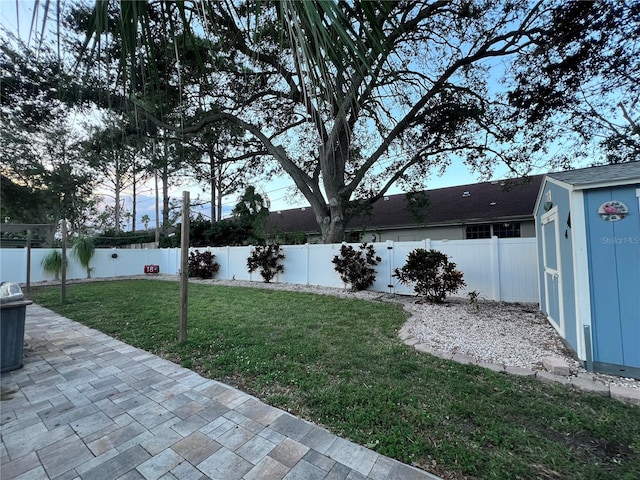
202,265
83,250
266,259
52,263
434,275
355,267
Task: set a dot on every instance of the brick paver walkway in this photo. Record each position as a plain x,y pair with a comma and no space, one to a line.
88,407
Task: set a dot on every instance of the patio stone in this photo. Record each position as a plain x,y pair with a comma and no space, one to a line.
118,465
255,449
159,464
289,452
224,465
88,407
291,426
196,447
319,439
306,470
353,455
267,469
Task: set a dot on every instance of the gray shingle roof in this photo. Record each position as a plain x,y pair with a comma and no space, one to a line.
602,174
487,201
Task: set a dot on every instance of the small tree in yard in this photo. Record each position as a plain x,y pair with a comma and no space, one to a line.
433,274
83,250
202,265
266,259
52,263
355,267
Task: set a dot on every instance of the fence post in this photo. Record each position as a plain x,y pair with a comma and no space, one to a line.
28,260
184,268
390,257
427,243
63,273
495,269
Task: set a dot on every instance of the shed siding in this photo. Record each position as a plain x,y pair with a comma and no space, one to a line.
614,266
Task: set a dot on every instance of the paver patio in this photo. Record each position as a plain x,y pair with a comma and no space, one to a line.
86,406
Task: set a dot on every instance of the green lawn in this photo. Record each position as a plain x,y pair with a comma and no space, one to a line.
338,362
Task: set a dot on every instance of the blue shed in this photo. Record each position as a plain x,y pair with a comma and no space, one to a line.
588,233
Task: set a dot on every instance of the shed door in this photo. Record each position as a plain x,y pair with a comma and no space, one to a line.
614,270
552,273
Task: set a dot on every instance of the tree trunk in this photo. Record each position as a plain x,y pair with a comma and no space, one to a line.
157,239
212,173
333,161
332,229
133,201
117,193
165,199
219,188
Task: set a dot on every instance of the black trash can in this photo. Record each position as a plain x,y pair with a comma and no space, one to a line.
13,310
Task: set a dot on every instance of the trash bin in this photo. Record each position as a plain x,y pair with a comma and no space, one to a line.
13,309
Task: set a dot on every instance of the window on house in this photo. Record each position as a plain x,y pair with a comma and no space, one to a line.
500,230
506,230
482,230
352,237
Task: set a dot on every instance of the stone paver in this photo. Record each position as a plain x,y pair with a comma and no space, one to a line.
556,365
627,395
588,385
88,407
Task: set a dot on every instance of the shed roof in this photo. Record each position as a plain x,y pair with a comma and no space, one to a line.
600,175
473,203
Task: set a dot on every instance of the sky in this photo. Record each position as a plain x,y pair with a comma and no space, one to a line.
278,191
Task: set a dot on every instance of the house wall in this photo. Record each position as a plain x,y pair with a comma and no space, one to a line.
528,229
415,234
453,232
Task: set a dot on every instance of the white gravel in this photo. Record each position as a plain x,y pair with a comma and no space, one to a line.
514,335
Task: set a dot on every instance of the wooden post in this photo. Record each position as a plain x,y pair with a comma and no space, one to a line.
28,260
184,268
157,240
63,273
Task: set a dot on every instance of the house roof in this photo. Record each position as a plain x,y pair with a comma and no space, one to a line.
475,203
592,177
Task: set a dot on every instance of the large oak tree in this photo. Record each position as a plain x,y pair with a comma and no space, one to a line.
352,98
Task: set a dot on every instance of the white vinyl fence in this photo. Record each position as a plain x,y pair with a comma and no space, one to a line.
499,269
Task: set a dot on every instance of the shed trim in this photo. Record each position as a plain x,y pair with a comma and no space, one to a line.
581,278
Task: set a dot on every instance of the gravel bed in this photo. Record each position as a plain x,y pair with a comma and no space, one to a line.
514,335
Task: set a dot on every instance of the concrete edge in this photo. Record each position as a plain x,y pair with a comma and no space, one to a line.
588,385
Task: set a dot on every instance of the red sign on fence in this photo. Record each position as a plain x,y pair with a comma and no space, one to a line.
155,269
